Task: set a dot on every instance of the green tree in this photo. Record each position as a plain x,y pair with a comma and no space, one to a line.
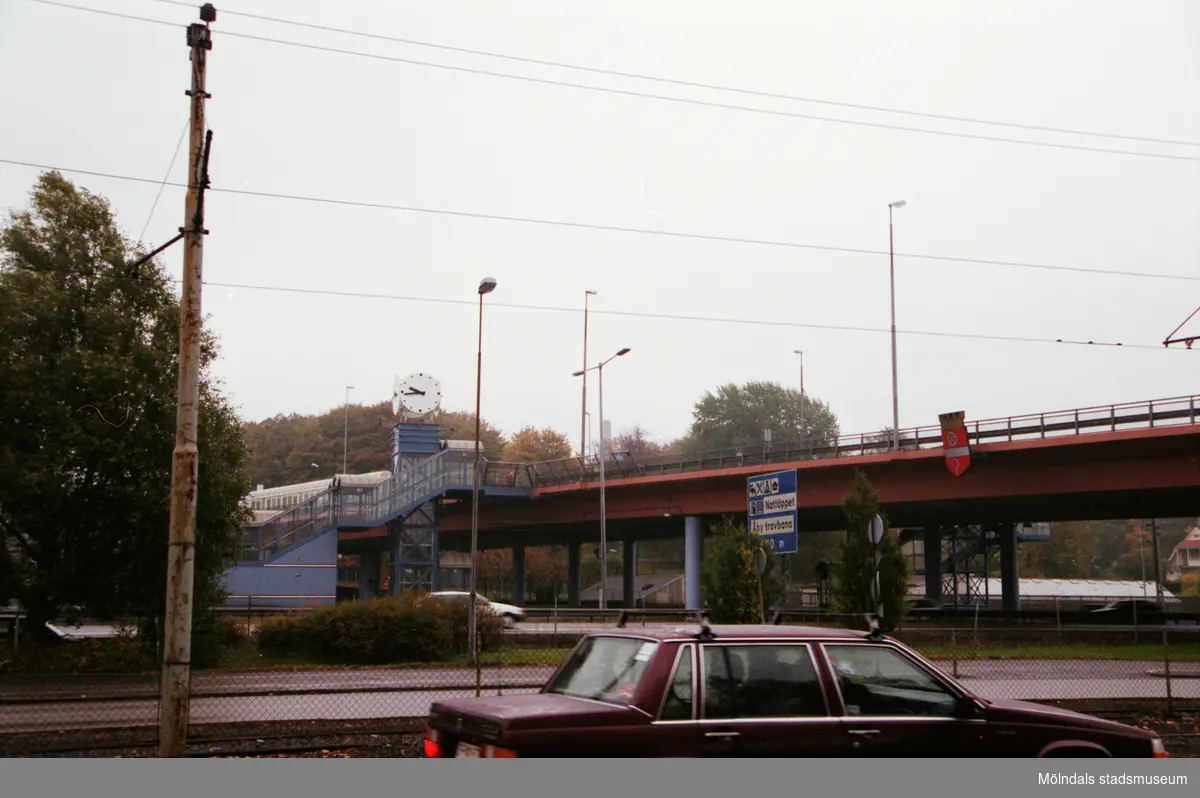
728,577
1066,555
88,397
737,416
854,574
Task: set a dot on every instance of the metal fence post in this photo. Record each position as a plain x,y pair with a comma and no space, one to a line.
954,651
1167,672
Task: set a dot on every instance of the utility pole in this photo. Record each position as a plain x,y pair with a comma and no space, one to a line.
177,645
583,436
1158,585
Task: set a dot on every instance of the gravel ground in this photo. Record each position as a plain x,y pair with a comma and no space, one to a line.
1181,735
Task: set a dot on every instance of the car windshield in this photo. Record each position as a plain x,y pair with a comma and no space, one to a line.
605,669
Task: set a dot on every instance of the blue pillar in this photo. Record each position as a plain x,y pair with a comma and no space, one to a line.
693,542
368,574
629,593
518,575
574,575
933,563
1010,591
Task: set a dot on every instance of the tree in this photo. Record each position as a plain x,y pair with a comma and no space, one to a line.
854,573
457,425
88,397
533,445
729,579
637,442
738,416
1066,555
284,447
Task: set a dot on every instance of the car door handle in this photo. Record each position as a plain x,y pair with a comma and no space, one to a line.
723,735
863,732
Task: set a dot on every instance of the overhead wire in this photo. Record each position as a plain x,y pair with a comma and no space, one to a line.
631,93
676,316
676,81
615,228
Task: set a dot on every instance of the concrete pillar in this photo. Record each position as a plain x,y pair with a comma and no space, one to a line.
368,574
933,563
574,575
518,575
693,542
629,593
1010,590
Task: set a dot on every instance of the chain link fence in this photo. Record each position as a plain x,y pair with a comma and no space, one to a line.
104,692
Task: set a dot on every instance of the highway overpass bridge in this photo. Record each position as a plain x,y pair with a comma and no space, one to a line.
1137,459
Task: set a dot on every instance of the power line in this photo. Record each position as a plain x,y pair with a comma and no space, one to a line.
158,196
615,228
643,95
676,317
678,82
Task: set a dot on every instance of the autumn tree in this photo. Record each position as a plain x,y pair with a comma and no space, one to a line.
1068,554
737,416
88,396
284,448
853,576
534,445
637,442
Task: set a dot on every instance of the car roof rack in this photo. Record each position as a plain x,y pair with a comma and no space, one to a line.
705,634
874,632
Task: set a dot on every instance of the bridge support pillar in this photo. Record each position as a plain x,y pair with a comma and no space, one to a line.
693,542
1010,595
574,575
518,575
933,563
629,573
368,574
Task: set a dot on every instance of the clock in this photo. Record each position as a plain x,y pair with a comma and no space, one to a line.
416,395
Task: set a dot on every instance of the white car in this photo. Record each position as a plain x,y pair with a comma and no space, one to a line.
508,612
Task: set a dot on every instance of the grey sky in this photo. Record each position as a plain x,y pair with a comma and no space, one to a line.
90,92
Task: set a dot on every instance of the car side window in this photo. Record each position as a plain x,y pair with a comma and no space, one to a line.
879,681
761,681
678,702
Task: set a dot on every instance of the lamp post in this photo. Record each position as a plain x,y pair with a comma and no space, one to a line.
803,429
892,276
583,438
346,429
599,367
486,286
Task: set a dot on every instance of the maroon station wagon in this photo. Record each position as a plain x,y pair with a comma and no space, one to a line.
763,691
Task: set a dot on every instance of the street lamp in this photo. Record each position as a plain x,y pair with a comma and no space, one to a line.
583,439
346,430
486,286
599,367
803,429
892,273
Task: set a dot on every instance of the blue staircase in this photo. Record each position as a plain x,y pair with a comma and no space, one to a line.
300,544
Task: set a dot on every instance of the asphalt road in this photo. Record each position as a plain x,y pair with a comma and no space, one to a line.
409,693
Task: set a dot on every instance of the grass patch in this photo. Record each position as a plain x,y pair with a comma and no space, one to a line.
250,658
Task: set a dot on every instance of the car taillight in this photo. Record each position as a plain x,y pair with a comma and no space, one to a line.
496,752
1160,751
433,743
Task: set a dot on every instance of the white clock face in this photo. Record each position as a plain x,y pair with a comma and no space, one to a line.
419,394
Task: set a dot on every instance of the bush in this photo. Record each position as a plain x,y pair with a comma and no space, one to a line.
379,631
215,638
124,653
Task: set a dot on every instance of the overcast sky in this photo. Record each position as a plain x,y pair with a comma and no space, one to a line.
90,92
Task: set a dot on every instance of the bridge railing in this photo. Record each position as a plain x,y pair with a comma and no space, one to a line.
1079,421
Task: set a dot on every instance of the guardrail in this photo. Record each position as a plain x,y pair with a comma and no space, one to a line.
1062,423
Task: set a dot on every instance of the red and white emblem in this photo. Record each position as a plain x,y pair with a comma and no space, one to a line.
955,442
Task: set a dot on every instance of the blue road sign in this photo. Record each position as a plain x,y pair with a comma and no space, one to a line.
771,507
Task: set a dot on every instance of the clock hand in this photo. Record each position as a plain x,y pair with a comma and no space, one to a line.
414,392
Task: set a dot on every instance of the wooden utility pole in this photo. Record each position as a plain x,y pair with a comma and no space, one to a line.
181,551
